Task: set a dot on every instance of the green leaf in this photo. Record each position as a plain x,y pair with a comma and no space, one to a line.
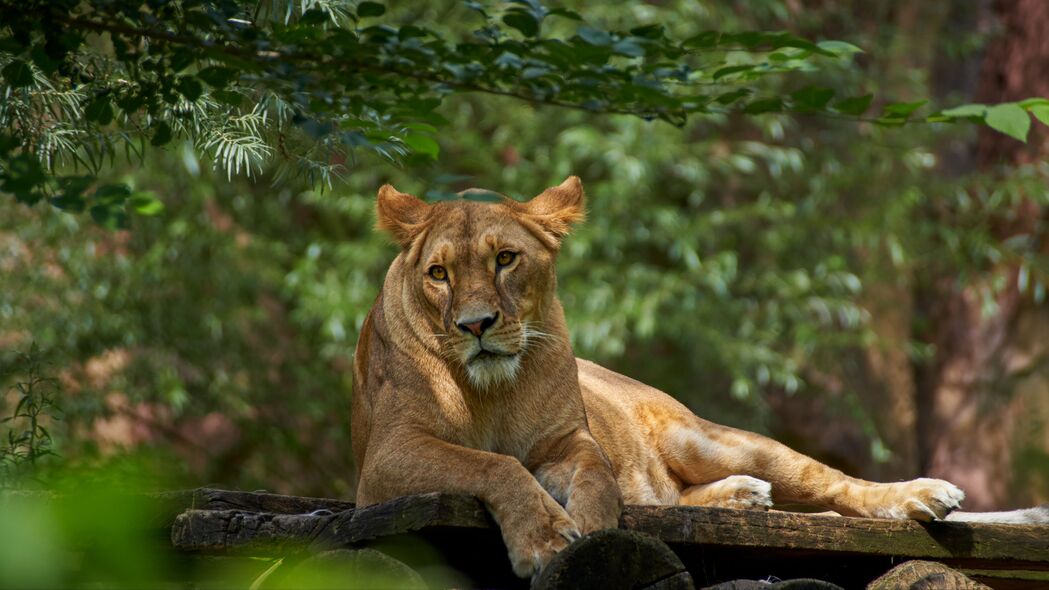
313,17
628,47
71,203
161,134
217,76
648,32
594,36
180,60
43,60
109,217
839,47
902,109
704,40
1031,102
1041,112
965,111
812,97
732,70
565,13
856,105
366,9
18,73
99,110
423,144
145,204
72,197
731,97
112,194
22,176
190,87
522,21
1010,119
767,105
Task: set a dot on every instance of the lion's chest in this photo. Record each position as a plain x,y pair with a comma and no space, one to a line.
496,437
502,433
505,425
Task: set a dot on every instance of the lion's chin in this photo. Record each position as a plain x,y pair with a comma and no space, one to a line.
486,369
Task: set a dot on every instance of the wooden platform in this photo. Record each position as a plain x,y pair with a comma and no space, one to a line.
714,545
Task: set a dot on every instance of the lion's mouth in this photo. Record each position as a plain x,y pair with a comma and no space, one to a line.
486,355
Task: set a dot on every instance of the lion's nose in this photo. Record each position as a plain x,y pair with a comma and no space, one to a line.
477,326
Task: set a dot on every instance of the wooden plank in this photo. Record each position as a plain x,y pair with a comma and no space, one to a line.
985,546
993,546
404,515
234,531
221,531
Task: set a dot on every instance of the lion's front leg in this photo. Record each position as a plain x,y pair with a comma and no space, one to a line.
534,526
582,481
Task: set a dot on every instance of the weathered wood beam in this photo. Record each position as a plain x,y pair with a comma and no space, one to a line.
984,546
1003,545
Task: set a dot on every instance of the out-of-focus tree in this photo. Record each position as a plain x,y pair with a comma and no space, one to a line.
986,391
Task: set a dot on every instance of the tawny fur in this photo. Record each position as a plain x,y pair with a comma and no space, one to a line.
553,445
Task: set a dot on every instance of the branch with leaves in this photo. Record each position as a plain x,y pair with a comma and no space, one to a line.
28,440
307,84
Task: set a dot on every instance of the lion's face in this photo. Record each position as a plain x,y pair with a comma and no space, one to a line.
482,274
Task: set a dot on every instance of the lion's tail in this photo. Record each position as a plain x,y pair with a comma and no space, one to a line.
1036,515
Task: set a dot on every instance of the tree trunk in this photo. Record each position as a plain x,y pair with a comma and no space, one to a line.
977,397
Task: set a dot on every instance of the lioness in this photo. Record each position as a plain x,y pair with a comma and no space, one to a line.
464,381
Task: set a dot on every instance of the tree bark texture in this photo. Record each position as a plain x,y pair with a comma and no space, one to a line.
984,395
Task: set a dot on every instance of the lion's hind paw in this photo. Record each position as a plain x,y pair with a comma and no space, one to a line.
923,499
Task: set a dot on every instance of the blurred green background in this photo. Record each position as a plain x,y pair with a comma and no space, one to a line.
872,296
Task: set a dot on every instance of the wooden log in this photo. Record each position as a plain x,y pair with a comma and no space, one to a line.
615,559
714,544
925,575
985,546
234,531
963,543
404,515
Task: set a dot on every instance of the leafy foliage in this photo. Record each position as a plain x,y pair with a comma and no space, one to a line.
730,261
308,84
28,440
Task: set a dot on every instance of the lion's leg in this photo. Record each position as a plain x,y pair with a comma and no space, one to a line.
581,479
534,526
700,452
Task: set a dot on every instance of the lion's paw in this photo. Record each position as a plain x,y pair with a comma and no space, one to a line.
534,540
923,499
736,491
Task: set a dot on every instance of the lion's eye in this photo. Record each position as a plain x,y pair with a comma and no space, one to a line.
438,273
505,257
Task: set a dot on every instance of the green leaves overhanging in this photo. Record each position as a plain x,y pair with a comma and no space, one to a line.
305,88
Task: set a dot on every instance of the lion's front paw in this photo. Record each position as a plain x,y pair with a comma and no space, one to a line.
533,538
736,491
923,499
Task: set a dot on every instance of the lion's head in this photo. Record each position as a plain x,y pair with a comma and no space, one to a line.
481,276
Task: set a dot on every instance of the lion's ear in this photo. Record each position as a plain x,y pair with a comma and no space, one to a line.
559,207
400,214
